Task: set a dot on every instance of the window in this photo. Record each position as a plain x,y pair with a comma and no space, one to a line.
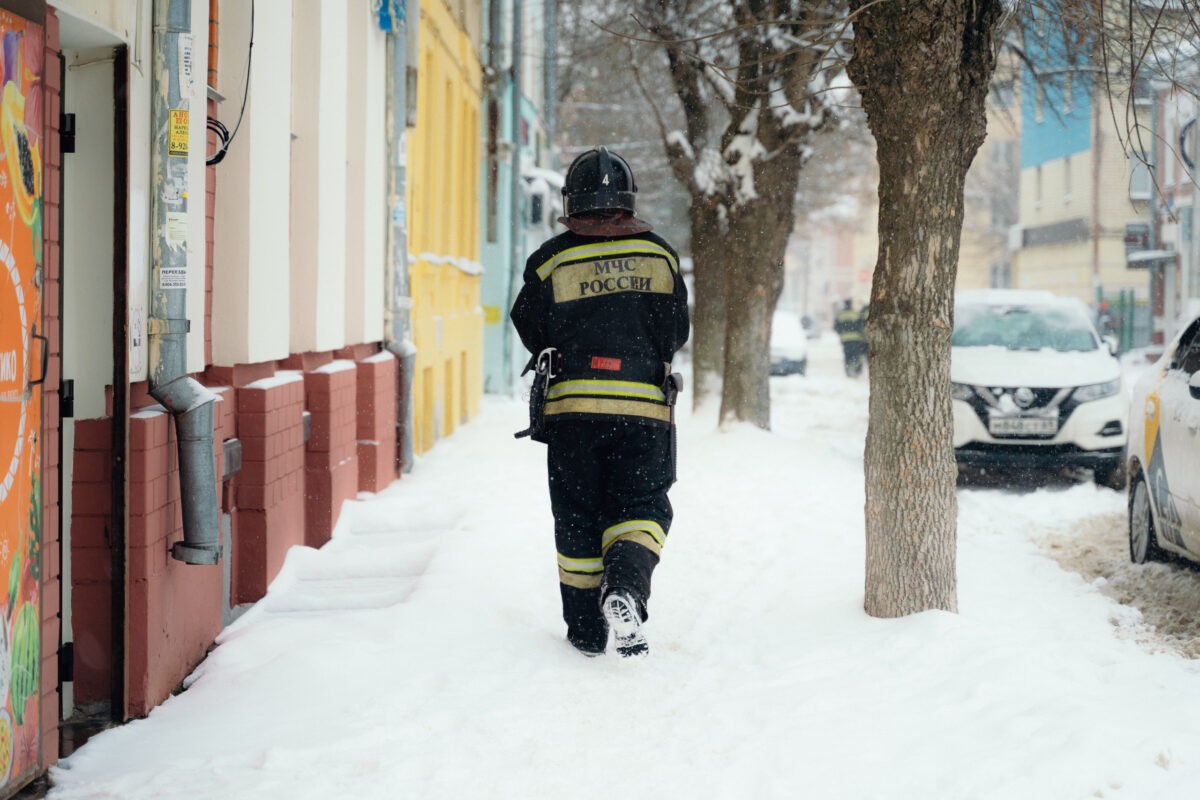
1067,183
1002,154
1037,187
1016,327
1139,179
1188,356
1068,93
1001,275
1004,94
1039,100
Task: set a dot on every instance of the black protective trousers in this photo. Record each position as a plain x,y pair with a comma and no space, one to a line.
608,493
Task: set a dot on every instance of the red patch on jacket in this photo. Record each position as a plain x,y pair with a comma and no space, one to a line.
610,364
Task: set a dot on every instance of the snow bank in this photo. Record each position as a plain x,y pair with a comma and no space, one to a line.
420,652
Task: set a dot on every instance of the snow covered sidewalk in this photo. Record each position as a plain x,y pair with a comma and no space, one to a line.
421,654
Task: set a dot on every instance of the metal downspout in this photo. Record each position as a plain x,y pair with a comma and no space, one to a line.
398,328
190,403
516,266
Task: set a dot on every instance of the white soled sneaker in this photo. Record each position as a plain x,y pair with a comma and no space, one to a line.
625,622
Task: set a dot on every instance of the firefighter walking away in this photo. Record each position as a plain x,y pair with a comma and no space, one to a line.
602,311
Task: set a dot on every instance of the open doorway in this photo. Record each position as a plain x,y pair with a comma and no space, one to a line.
94,258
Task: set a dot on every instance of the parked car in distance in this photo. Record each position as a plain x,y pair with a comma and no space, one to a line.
789,344
1164,453
1034,386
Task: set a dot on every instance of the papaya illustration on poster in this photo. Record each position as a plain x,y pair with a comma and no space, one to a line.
22,367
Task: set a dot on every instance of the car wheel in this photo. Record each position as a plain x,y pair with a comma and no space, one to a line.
1143,544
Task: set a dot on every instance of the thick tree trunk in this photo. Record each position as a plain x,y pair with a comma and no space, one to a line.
708,299
753,281
923,70
755,244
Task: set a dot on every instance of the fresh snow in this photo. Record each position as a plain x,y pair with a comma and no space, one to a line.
421,654
337,365
281,378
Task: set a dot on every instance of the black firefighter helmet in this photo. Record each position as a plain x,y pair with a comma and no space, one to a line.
598,180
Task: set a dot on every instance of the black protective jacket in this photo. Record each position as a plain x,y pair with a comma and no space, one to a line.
615,309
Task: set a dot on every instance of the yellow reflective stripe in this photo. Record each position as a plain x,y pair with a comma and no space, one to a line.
580,564
586,251
579,581
647,391
639,537
619,530
608,405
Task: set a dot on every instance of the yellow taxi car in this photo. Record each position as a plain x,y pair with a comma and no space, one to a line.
1164,454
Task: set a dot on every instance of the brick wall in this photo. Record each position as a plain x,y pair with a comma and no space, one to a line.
91,560
175,609
376,423
269,517
331,457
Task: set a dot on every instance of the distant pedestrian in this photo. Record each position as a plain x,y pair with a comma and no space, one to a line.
603,310
851,329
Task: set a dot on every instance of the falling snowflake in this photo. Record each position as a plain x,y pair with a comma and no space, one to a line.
4,552
3,180
10,210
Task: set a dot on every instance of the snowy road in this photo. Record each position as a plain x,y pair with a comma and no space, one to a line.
420,653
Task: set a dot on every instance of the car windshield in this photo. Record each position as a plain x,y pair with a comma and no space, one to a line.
1018,327
786,331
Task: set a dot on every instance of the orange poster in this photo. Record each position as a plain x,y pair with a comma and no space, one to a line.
22,368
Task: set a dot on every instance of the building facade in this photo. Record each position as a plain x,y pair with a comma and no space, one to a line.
443,187
1081,186
991,192
227,315
517,131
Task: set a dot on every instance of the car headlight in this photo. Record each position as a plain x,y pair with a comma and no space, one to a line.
1096,391
961,391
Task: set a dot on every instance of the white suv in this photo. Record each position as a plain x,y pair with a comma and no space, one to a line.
1034,386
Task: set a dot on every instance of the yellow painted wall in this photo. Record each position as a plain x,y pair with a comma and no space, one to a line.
443,222
1076,268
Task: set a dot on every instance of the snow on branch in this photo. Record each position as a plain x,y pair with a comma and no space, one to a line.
740,154
709,174
677,138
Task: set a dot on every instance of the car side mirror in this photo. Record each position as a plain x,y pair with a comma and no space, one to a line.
1114,345
1194,385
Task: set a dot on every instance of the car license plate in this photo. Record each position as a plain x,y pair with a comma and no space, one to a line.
1018,426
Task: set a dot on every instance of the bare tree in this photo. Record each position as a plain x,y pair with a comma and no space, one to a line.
923,70
751,96
598,105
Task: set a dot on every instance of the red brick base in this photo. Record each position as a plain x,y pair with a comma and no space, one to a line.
376,424
331,458
270,485
287,492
